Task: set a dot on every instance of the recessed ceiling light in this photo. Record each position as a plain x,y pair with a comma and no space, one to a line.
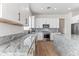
55,8
69,8
41,8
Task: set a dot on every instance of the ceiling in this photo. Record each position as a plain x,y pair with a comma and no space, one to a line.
46,8
53,8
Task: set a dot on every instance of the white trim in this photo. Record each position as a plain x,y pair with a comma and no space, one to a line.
0,9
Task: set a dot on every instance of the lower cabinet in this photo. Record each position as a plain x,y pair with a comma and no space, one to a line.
40,36
32,49
51,36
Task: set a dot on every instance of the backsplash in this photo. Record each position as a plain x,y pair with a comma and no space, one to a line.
50,29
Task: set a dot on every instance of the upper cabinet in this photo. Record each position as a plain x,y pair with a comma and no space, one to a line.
24,15
16,11
52,20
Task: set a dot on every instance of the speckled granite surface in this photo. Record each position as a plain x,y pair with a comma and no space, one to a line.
7,38
67,47
14,46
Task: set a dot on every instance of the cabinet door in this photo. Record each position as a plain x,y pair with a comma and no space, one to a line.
51,36
23,17
40,36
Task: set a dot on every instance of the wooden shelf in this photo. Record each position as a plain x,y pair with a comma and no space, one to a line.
12,22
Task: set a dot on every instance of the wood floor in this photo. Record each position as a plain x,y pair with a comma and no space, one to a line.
45,48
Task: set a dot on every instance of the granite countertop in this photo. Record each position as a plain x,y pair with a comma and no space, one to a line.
67,47
13,44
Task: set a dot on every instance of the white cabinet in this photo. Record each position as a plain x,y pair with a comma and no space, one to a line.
23,17
33,22
53,22
51,36
30,42
32,49
40,36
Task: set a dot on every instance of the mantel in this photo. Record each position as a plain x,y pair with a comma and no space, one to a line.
12,22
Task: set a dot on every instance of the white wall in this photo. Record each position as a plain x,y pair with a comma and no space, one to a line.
7,29
53,20
11,10
0,10
75,19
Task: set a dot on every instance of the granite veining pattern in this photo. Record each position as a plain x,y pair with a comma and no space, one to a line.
14,46
67,47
